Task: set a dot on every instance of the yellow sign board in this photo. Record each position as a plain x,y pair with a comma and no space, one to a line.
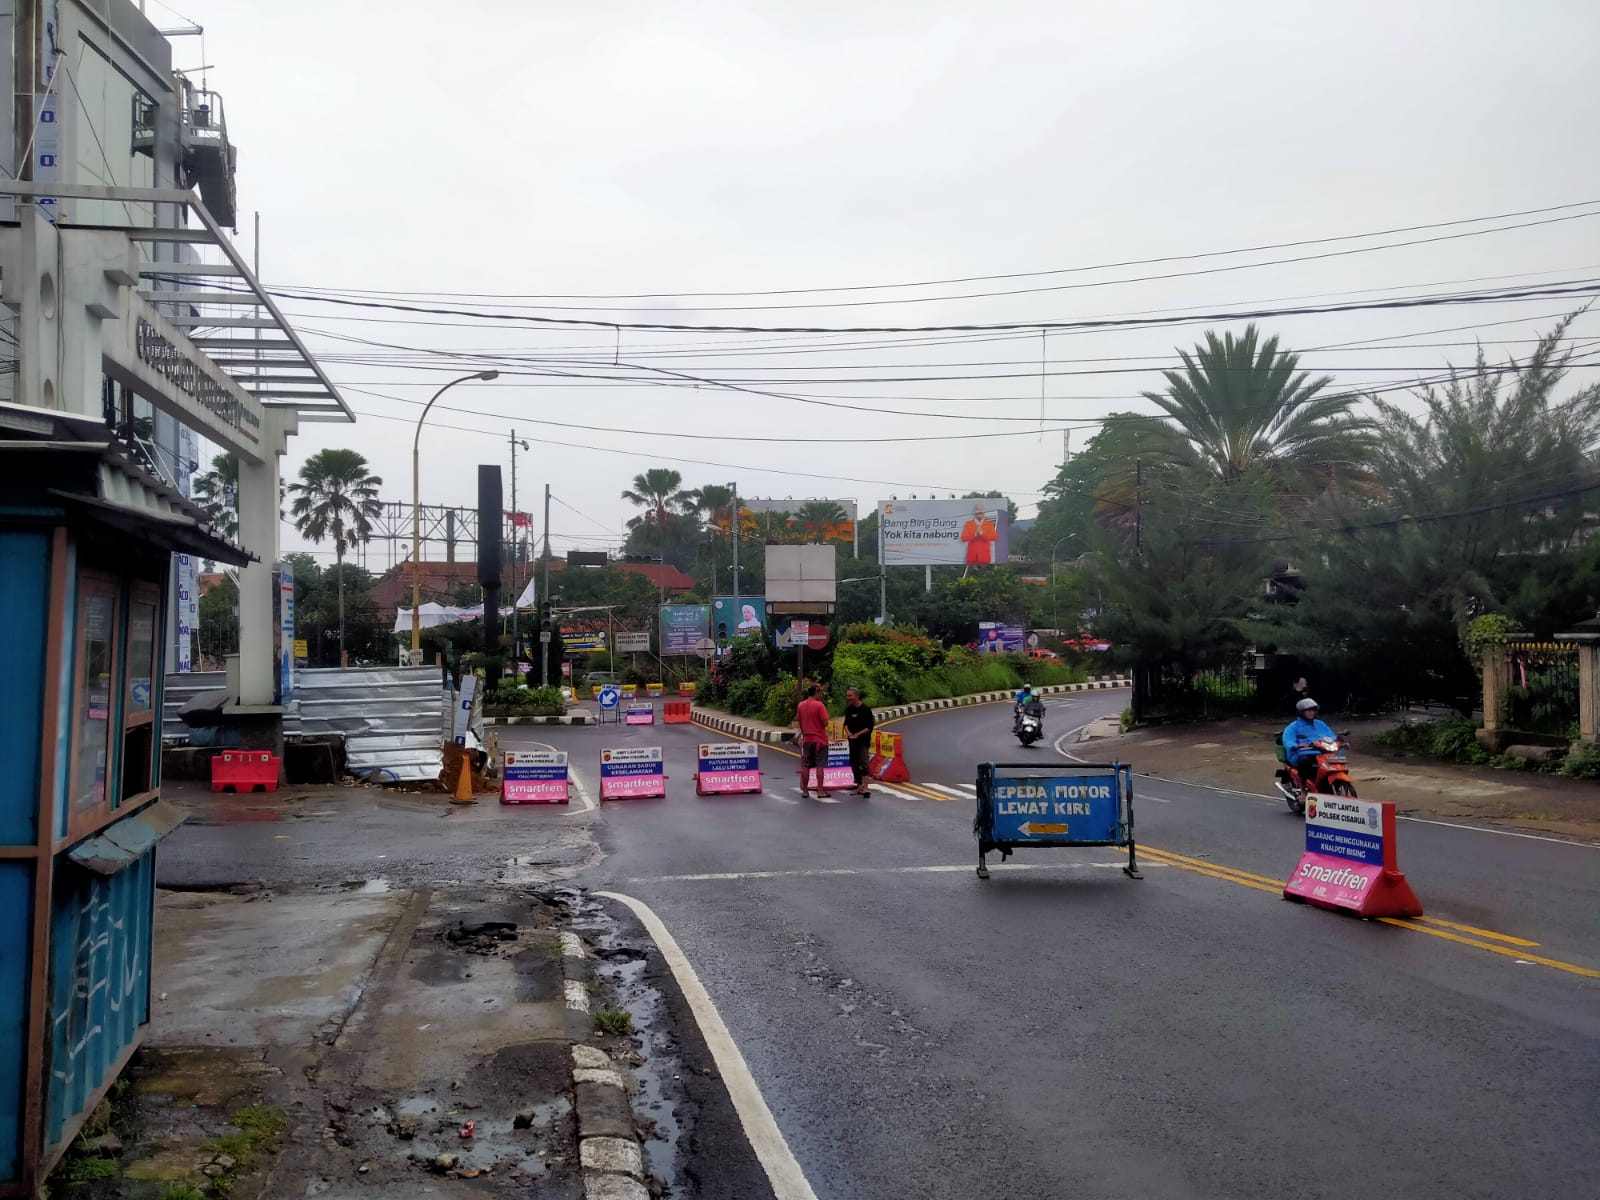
300,650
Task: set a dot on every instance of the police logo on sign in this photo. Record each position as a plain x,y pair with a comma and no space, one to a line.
1311,809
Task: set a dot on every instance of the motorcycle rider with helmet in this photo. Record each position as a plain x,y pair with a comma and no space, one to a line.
1026,702
1302,733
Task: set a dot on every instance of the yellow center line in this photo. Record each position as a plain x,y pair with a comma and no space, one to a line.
1431,927
1509,939
1185,865
1520,956
1487,933
926,793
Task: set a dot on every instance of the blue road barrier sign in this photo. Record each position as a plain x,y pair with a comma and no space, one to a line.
608,697
1020,805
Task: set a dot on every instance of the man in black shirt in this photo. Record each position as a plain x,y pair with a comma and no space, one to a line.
858,723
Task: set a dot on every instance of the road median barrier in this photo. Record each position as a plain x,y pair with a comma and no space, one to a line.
632,773
727,768
677,712
1021,805
1351,860
245,771
888,762
534,777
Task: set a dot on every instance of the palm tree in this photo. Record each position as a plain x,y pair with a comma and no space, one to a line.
659,491
217,492
713,503
336,495
821,520
1241,405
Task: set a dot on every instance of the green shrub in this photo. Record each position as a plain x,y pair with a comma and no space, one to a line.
547,698
747,696
781,700
1583,764
1453,738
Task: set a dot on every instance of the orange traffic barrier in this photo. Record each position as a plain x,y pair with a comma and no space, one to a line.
889,758
677,712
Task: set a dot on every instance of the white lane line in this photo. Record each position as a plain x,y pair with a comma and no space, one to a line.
948,791
766,1139
585,797
825,872
891,790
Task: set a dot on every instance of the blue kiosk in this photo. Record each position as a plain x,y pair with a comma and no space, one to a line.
86,538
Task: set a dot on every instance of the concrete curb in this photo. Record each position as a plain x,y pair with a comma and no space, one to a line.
745,731
577,718
609,1149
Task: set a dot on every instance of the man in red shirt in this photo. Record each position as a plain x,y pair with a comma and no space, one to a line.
812,717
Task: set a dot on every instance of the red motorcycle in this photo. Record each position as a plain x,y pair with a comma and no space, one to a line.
1331,775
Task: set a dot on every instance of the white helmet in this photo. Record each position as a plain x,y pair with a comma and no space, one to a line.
1306,705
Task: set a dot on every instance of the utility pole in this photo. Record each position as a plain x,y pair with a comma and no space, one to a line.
516,543
544,595
734,532
1138,505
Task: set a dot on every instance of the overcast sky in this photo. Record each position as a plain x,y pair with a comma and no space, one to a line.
519,148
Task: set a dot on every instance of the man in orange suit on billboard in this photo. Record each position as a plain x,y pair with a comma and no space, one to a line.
980,536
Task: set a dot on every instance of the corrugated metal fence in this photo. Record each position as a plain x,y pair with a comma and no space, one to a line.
390,717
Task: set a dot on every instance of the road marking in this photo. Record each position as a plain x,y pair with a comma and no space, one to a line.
585,798
1429,926
925,792
1518,955
949,791
766,1139
891,790
824,872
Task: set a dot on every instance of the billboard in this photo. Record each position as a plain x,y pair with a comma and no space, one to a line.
731,616
918,533
632,642
997,638
683,626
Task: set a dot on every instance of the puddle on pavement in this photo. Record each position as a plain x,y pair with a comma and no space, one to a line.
367,887
658,1071
497,1146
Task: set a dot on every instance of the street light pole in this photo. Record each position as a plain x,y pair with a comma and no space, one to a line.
416,510
1055,599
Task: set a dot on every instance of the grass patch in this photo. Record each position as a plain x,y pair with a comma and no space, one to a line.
1453,738
614,1020
258,1125
182,1191
88,1169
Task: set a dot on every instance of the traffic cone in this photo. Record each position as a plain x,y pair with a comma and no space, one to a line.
464,793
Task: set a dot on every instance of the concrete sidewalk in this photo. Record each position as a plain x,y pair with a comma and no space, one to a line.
1239,754
366,1042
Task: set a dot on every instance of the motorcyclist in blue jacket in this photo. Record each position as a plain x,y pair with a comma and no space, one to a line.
1304,730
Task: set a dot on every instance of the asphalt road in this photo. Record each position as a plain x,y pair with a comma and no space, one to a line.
1062,1030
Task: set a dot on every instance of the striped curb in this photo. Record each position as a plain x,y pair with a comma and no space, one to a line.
577,718
743,730
609,1151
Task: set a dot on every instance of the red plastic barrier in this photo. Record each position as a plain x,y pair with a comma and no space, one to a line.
889,758
677,712
245,771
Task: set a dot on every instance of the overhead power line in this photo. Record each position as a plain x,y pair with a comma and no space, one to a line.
1135,262
1578,287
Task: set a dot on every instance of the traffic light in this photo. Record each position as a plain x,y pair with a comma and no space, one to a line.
722,631
544,614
